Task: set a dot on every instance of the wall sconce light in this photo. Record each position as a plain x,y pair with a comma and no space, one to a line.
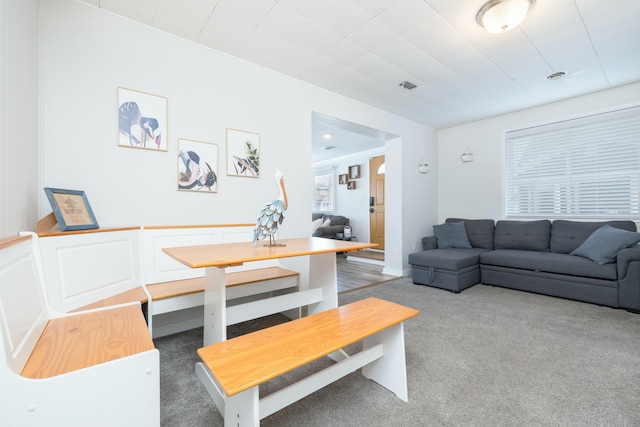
467,156
500,16
423,167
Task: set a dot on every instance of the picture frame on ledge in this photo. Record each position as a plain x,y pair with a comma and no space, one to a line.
71,209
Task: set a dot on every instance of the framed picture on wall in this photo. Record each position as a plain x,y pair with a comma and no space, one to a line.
71,209
142,120
354,172
243,153
197,166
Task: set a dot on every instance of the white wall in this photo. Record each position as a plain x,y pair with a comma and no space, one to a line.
475,190
19,116
88,53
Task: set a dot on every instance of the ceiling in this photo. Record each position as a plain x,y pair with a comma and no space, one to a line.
364,49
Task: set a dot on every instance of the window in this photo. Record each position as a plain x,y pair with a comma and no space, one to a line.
582,168
324,191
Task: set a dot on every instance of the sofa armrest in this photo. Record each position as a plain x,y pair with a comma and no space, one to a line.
429,242
628,266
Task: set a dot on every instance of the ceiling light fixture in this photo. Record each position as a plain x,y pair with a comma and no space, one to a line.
327,135
329,147
500,16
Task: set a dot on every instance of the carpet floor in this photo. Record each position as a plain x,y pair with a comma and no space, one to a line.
485,357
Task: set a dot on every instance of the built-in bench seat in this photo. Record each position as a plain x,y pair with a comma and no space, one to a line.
103,267
233,370
97,367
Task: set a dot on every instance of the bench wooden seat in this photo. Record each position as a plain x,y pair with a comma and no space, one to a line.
133,295
69,343
232,370
70,368
176,288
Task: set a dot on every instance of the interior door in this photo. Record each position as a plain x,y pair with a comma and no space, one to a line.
376,200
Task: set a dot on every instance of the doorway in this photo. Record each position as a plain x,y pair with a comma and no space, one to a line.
376,200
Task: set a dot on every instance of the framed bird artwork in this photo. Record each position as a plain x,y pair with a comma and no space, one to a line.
142,120
197,166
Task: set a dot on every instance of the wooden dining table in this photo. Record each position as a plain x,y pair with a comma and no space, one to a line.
318,294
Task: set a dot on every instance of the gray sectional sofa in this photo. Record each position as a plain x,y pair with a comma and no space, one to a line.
595,262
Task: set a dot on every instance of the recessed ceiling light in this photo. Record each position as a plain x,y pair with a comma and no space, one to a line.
329,147
327,135
557,75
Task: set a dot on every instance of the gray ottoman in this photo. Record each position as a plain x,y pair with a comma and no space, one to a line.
450,269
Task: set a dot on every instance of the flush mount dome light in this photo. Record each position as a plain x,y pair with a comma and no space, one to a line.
500,16
327,135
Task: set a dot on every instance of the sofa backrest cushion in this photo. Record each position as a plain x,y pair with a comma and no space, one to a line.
339,220
567,235
527,235
451,235
479,231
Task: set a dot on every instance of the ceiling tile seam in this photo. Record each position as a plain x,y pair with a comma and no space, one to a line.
595,51
206,22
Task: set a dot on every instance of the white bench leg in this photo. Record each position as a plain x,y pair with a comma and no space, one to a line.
390,370
215,301
242,410
323,274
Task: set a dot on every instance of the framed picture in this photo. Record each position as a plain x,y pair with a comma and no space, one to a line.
142,120
351,185
71,209
197,166
354,172
343,178
243,153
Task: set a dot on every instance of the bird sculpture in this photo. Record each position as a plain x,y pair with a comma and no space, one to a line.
272,215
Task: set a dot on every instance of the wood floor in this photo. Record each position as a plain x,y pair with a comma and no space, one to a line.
354,275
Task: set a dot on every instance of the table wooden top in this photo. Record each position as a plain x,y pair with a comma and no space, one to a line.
252,359
232,254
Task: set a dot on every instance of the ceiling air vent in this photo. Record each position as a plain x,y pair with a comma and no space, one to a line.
407,85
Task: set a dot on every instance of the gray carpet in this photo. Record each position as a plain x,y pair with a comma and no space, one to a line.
485,357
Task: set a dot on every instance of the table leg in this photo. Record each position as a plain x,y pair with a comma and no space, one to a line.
215,316
322,274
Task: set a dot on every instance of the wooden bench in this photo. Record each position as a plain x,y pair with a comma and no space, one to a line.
88,269
97,367
233,370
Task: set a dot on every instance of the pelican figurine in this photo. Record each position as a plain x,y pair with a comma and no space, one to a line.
272,215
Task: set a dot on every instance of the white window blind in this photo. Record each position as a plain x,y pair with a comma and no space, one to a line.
324,191
582,168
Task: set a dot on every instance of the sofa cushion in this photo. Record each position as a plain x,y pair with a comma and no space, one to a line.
549,262
451,235
527,235
566,235
446,259
339,220
315,224
603,245
479,231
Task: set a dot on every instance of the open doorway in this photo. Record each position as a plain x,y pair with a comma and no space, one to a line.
346,146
